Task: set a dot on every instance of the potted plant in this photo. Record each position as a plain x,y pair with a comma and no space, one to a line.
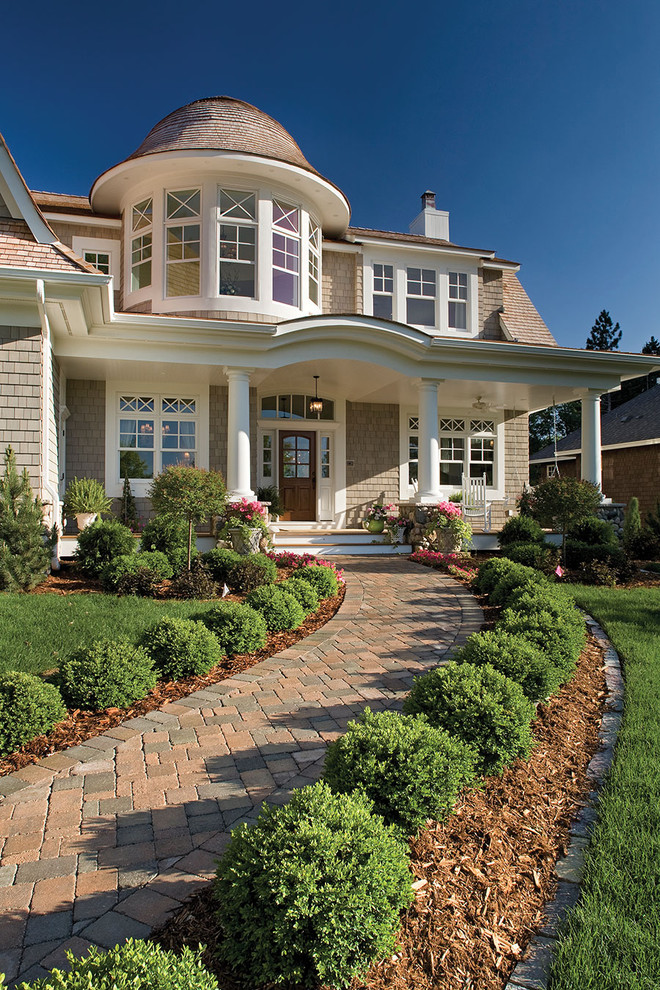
446,529
376,517
244,525
396,529
85,498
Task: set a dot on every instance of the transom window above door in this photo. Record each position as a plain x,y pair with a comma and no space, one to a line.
295,407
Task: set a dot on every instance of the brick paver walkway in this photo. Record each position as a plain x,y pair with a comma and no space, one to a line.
101,841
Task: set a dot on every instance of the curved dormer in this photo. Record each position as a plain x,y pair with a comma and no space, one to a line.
222,216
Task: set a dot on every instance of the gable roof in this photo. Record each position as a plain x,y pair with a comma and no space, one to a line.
633,421
520,320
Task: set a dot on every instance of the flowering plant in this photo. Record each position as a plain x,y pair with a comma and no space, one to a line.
393,525
379,512
453,563
286,558
445,523
243,515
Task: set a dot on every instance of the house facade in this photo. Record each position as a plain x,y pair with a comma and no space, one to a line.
209,304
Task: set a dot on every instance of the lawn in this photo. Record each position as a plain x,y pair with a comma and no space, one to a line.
37,631
612,940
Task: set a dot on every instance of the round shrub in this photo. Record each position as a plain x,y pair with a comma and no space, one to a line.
520,529
543,556
100,543
220,563
28,708
322,578
238,627
303,591
517,574
169,536
561,641
107,674
135,964
313,892
593,530
529,598
251,572
482,707
195,583
409,770
280,610
514,656
490,573
131,563
182,647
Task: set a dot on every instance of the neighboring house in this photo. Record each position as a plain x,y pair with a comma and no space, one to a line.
630,445
182,313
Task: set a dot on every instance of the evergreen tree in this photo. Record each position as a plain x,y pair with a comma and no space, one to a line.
651,346
128,513
25,544
604,336
567,417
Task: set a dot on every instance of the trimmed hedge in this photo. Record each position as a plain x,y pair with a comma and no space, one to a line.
252,572
280,610
313,892
107,674
100,543
509,582
130,563
514,656
303,591
322,578
410,770
29,707
562,640
220,563
520,529
490,572
238,627
482,707
182,647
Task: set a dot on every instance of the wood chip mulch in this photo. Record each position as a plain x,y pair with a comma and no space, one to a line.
482,876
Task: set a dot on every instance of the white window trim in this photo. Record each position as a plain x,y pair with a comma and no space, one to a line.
254,224
114,389
182,222
101,246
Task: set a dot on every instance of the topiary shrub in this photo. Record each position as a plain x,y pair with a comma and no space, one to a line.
323,579
134,964
514,656
195,583
508,583
252,572
280,610
520,529
489,574
303,591
107,674
409,770
100,543
313,892
220,563
561,641
28,708
482,707
182,647
542,556
238,627
169,536
130,563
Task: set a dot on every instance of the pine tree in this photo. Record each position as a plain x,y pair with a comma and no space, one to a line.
25,544
651,346
128,514
604,336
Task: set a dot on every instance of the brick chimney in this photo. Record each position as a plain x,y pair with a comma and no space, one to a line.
431,222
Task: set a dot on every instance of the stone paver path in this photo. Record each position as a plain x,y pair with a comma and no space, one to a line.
101,841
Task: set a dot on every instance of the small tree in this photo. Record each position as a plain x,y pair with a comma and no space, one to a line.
651,346
128,513
632,524
604,336
561,502
188,493
25,544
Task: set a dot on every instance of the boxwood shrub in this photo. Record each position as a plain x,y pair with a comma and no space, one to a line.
520,529
322,578
410,770
100,543
543,556
134,964
489,574
303,591
517,575
107,674
239,628
28,708
482,707
280,610
220,563
130,563
561,639
169,536
312,893
182,647
595,531
515,656
251,572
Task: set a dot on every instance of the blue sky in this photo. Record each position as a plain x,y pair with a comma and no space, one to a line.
535,121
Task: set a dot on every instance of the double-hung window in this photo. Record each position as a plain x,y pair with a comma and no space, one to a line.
238,243
100,260
314,261
182,236
466,447
420,296
458,293
141,244
286,253
156,432
452,452
383,290
482,449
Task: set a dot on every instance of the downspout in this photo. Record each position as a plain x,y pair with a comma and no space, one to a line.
51,494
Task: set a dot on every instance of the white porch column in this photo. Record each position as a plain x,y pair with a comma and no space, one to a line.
238,433
591,454
429,453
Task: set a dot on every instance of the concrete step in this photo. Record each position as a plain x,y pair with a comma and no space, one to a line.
343,549
325,537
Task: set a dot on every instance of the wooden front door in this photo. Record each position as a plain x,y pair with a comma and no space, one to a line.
298,475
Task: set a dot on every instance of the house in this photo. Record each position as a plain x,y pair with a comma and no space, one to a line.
189,309
630,446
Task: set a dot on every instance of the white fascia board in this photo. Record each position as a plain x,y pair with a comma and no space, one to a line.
341,247
17,197
88,221
47,275
504,266
428,248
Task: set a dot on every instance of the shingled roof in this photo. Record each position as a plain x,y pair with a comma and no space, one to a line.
19,249
520,319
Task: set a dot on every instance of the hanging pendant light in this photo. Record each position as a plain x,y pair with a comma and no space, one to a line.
316,405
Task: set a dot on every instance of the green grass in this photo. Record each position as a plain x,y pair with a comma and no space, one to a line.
612,939
37,631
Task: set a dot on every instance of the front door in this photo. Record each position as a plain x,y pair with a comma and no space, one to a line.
298,475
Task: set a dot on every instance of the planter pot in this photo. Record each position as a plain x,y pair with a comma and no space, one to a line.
447,542
245,541
400,535
85,519
374,525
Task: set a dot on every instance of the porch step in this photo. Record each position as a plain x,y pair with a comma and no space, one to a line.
333,542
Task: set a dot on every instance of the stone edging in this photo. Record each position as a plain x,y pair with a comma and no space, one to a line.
532,971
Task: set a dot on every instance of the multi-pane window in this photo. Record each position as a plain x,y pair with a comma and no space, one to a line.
267,455
325,457
314,261
458,293
286,253
413,450
238,243
155,432
420,296
182,243
383,290
294,407
296,457
452,460
466,447
141,244
100,260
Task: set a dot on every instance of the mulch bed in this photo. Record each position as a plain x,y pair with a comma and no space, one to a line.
484,874
81,725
